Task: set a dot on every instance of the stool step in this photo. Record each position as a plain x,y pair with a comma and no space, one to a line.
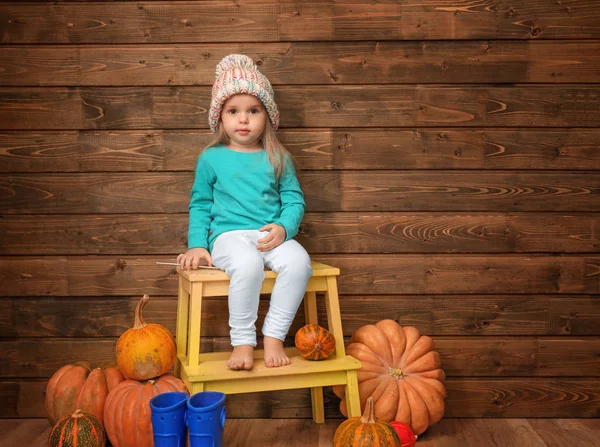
213,369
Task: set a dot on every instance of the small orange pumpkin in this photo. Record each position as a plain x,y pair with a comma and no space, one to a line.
314,342
78,386
366,431
127,414
77,429
145,351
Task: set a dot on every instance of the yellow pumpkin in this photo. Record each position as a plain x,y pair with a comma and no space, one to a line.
145,351
400,371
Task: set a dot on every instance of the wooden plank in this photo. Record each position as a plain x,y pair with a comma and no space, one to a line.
560,357
477,315
73,193
522,397
474,432
279,432
443,232
449,432
446,433
37,276
325,191
473,397
360,274
456,315
513,432
466,274
71,108
560,432
267,21
319,233
363,62
321,149
527,357
94,234
461,356
456,190
30,432
576,317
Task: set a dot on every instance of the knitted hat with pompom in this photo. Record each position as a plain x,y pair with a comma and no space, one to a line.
237,73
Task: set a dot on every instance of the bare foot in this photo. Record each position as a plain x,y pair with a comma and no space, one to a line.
241,358
274,354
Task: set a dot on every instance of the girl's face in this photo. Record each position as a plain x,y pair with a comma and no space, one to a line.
244,118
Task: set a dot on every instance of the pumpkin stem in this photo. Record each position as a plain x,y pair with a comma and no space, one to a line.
139,320
368,416
396,373
77,414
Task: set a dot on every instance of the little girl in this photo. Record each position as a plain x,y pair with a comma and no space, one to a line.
246,207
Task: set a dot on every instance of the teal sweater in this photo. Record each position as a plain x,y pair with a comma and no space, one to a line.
237,191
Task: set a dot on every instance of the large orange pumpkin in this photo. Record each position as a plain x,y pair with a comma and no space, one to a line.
366,431
127,410
145,351
400,371
78,386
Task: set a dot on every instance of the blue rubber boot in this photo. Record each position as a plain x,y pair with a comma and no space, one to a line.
168,419
206,419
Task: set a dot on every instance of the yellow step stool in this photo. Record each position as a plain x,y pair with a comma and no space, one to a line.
208,371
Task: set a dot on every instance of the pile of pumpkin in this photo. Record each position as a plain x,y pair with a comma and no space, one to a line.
400,383
84,404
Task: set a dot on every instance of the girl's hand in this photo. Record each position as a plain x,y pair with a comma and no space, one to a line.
192,257
275,238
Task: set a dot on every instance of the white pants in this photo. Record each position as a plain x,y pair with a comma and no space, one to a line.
235,252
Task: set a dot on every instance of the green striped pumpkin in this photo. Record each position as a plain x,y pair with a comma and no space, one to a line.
78,430
314,342
366,431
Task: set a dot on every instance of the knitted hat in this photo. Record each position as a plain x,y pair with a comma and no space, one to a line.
237,73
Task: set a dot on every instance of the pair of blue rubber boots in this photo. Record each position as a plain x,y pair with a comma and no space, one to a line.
175,413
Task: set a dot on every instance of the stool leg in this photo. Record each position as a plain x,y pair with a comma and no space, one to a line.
197,387
181,334
316,393
195,324
310,308
334,317
352,397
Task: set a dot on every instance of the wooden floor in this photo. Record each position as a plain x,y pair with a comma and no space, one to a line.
303,433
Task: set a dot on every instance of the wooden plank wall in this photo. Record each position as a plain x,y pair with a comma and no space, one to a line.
449,152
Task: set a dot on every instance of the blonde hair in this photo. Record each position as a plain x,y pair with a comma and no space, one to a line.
275,150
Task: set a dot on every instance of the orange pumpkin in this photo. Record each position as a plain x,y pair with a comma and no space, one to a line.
400,371
127,410
78,386
366,431
145,351
314,342
78,429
